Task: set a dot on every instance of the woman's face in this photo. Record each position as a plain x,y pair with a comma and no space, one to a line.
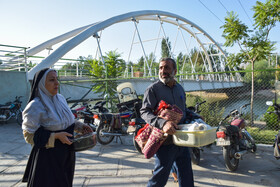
51,83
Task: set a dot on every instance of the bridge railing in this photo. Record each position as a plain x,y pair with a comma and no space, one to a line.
13,58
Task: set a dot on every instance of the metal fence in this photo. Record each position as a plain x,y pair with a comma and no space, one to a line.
263,127
219,102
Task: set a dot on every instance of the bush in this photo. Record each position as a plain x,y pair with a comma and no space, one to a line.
271,119
263,79
262,136
212,113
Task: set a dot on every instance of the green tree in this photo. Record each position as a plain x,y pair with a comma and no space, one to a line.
165,48
196,59
140,64
180,60
263,79
151,60
114,67
82,65
253,46
31,65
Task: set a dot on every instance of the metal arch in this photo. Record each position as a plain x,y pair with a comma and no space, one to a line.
89,30
49,43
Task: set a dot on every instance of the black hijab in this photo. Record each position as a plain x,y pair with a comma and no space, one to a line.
34,87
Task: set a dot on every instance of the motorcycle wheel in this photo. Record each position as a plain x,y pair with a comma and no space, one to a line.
19,118
230,161
135,143
104,140
195,155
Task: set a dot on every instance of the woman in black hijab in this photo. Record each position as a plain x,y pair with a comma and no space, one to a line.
48,125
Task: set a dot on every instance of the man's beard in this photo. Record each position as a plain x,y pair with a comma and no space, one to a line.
168,79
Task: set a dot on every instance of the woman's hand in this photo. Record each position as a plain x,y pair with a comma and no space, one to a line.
63,137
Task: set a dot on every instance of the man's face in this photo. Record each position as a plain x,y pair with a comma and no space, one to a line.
166,71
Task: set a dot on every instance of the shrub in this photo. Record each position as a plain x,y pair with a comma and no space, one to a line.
262,136
212,113
271,119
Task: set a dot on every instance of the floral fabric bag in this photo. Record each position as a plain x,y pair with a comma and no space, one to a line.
150,138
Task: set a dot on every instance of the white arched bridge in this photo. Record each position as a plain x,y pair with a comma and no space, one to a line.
187,38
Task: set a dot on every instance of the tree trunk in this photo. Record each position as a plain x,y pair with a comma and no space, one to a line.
252,96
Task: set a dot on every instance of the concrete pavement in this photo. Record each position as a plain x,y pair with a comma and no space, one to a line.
120,165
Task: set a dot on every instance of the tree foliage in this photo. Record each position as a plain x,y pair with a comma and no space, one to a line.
114,67
165,48
263,79
254,46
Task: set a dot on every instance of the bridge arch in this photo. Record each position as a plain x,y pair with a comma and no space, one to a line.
81,34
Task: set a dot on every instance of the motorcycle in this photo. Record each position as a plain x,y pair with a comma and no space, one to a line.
234,139
110,125
11,110
195,151
87,113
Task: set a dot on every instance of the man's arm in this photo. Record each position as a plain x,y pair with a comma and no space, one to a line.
147,110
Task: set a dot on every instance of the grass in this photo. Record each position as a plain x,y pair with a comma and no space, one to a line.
261,135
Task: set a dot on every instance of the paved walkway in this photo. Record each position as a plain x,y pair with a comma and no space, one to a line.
120,165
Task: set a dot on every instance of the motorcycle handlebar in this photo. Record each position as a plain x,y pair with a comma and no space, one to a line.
196,108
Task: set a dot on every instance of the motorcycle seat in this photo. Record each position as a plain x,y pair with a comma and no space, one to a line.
106,116
4,106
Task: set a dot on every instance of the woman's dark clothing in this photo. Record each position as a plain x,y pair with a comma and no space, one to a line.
37,77
50,167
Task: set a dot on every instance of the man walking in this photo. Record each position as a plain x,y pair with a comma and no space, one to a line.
168,90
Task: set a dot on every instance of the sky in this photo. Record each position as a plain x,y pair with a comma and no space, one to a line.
28,23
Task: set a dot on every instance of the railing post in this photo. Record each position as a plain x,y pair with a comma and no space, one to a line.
77,69
25,61
104,64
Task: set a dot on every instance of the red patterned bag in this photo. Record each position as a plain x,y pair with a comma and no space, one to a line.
169,112
143,135
150,138
155,140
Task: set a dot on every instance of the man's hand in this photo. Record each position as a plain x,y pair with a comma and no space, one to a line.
169,127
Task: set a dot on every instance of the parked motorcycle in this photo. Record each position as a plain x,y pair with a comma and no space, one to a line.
87,113
11,110
234,139
110,125
195,151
